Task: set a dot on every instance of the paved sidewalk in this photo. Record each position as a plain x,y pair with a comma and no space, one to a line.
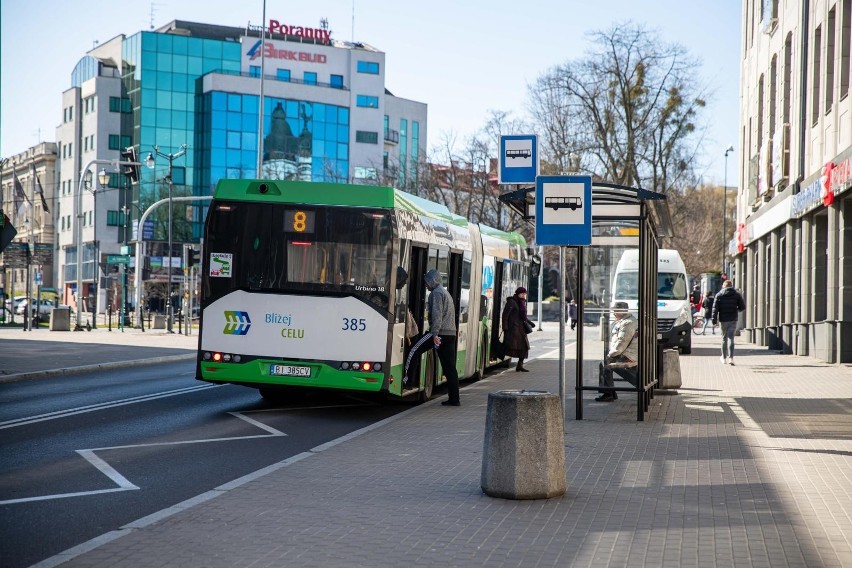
33,354
745,466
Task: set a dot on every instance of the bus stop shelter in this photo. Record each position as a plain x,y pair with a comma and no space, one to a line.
623,219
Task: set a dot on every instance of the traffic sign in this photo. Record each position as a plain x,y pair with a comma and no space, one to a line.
118,259
563,210
518,159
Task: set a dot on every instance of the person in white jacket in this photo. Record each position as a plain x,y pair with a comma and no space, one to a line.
623,354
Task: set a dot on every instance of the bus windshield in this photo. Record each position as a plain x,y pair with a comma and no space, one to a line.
292,248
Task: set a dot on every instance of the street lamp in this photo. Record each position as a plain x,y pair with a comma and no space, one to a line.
728,150
150,161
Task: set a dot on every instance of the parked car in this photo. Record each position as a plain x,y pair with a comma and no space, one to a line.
13,303
44,307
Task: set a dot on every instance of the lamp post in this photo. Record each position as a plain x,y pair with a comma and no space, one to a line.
728,150
150,161
85,174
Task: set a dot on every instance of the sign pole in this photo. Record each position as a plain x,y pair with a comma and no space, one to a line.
562,393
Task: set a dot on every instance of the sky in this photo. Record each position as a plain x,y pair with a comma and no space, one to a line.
462,58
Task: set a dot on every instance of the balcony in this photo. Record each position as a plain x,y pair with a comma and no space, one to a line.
392,136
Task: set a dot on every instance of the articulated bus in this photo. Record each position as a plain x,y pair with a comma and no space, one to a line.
307,286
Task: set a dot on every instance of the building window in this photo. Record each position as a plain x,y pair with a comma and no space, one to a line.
116,141
336,81
815,93
403,151
282,74
117,104
115,218
370,67
845,40
310,78
254,71
366,137
829,60
365,173
367,101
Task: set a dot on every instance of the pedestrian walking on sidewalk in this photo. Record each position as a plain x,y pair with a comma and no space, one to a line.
726,307
515,326
572,313
707,306
442,325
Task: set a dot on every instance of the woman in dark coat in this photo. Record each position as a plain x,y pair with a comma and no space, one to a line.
514,331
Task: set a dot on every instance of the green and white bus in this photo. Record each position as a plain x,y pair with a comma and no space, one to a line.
301,287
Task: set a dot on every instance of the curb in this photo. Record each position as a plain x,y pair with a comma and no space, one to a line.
96,367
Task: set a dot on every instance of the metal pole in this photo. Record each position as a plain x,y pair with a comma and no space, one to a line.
260,106
169,322
581,302
30,238
562,393
540,283
725,207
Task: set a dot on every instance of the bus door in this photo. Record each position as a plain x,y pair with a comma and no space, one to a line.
417,300
497,306
454,288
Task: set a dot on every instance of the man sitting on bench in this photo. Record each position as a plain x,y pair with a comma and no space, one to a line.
623,355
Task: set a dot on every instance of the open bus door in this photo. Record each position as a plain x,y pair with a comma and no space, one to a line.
497,310
417,306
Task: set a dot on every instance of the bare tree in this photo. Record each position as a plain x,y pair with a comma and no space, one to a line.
630,109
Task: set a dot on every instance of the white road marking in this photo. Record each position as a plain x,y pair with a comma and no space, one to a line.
100,406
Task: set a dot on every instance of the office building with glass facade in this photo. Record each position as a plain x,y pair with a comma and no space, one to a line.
327,116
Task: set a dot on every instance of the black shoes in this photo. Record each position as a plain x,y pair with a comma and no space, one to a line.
607,397
450,403
521,370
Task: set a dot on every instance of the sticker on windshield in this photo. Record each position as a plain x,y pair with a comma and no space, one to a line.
220,264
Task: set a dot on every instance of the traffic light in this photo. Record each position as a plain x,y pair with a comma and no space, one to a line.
131,171
193,257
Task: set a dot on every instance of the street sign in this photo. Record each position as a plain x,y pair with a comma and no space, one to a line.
518,159
563,210
118,259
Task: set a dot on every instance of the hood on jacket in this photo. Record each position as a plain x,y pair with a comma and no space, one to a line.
432,279
727,291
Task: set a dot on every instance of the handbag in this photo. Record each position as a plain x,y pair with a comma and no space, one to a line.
528,326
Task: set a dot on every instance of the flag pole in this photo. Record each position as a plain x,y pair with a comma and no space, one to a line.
28,325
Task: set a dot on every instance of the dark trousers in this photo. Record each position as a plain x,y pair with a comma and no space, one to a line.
605,378
447,357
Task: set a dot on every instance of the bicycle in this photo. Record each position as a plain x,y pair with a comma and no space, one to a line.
698,327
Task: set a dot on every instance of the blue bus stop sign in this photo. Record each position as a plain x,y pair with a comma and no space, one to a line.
518,159
563,210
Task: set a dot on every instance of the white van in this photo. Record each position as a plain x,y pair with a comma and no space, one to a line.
674,315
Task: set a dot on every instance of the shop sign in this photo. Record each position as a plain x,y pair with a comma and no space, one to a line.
825,184
807,199
841,176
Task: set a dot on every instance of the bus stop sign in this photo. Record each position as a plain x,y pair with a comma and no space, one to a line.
563,210
518,159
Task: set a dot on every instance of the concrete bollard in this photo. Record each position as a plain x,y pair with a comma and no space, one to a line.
523,454
159,322
670,372
60,319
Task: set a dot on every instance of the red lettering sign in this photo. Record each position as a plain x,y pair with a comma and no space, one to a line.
319,34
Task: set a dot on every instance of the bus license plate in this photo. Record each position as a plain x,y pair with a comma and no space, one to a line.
290,370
